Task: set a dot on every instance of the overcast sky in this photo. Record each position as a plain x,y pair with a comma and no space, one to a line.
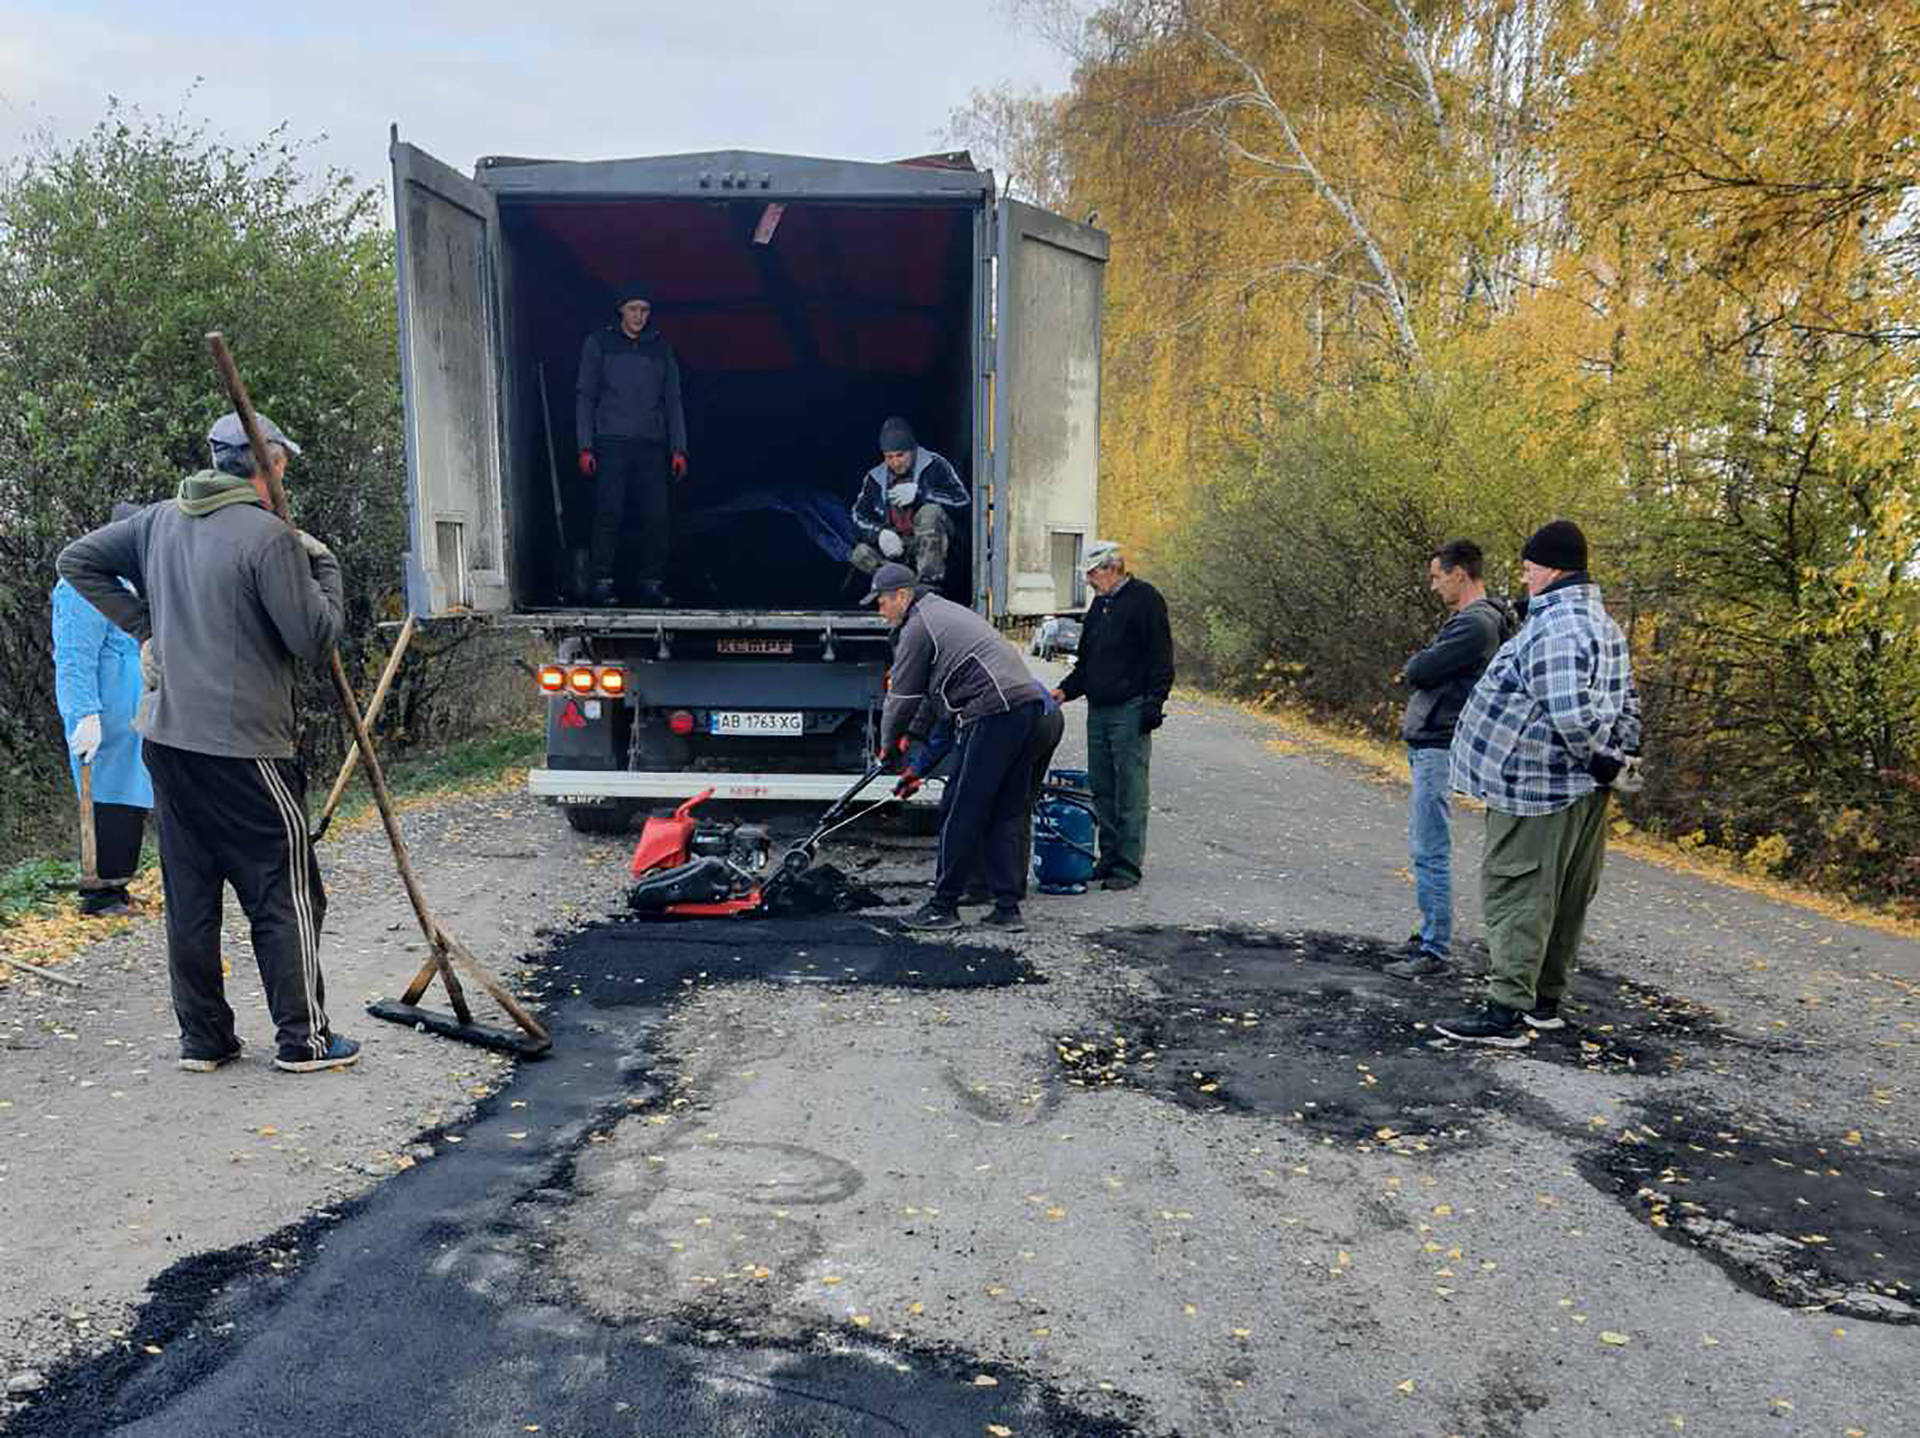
585,79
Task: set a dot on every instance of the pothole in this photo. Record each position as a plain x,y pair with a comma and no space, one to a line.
1830,1224
1305,1024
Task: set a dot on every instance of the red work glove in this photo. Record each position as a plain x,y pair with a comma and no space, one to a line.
679,465
909,784
589,466
888,757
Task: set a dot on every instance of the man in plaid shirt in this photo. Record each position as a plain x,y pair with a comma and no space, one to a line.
1551,727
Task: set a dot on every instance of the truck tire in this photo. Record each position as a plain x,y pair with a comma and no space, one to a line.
612,818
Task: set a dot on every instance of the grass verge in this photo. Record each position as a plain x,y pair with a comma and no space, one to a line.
39,914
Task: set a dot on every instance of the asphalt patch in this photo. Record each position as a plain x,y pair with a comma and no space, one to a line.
1830,1224
628,962
428,1306
1305,1024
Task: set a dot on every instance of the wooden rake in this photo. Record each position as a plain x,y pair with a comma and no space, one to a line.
446,953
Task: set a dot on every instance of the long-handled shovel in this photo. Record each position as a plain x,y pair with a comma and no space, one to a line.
446,951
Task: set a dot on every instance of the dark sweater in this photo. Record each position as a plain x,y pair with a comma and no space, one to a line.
1442,675
629,389
1126,649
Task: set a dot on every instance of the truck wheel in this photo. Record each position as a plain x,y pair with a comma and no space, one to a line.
602,818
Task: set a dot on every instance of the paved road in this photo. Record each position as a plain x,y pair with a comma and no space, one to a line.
1181,1160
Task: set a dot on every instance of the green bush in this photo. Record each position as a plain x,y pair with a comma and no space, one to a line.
118,253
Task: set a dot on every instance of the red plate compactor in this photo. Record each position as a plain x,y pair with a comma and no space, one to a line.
696,868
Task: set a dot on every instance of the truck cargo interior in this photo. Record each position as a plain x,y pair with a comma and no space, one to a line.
799,328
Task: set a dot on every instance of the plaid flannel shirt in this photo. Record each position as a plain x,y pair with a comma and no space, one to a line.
1552,696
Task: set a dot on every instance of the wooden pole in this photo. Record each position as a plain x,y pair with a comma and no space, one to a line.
348,764
446,950
40,973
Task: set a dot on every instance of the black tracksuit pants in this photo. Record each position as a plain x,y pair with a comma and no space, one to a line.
989,798
630,492
1034,761
241,822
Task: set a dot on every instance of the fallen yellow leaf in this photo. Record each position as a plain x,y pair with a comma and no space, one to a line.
999,1430
1617,1340
1406,1387
985,1380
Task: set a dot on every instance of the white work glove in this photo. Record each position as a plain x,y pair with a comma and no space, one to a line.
891,544
85,739
149,665
903,494
315,549
1630,779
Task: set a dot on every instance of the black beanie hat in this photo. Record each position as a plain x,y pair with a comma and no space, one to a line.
632,290
1558,545
896,434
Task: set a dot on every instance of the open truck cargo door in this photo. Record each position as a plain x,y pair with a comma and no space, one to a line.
447,235
1046,408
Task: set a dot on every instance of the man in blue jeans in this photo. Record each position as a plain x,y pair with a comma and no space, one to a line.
1441,676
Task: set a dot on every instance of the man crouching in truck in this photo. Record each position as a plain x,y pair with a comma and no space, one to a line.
901,513
632,431
947,658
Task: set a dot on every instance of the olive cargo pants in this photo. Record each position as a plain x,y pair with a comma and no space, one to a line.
1537,877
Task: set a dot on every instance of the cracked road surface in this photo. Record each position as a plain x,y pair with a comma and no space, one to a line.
1180,1160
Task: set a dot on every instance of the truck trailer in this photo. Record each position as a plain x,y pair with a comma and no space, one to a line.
807,299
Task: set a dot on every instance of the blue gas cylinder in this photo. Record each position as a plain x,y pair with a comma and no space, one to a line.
1063,834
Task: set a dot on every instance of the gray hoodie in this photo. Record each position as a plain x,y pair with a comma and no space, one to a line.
230,600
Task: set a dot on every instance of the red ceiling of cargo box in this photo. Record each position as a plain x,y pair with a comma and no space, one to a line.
860,287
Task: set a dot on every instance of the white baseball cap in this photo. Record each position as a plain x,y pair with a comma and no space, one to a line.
1099,552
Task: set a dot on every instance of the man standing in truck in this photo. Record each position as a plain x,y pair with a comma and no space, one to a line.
902,512
632,433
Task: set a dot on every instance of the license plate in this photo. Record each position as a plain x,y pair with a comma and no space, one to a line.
738,721
754,646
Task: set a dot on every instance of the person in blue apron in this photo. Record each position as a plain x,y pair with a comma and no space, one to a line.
96,676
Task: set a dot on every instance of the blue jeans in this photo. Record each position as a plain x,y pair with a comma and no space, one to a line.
1430,838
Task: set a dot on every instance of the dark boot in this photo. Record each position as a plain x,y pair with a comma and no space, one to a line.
602,594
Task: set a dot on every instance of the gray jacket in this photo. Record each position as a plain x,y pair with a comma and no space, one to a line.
230,600
948,658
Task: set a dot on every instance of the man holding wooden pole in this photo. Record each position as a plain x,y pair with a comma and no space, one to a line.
233,596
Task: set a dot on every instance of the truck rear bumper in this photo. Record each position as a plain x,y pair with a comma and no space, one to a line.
599,786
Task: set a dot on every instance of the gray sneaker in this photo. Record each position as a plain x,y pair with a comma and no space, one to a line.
195,1065
1422,965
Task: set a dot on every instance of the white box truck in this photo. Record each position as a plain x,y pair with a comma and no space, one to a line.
807,299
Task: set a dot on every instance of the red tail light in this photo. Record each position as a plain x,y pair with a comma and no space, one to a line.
553,678
680,722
